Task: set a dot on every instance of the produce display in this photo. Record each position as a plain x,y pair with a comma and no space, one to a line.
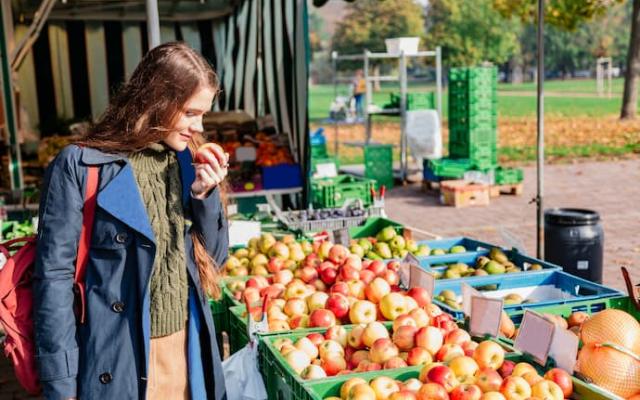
451,299
466,378
495,263
387,244
414,339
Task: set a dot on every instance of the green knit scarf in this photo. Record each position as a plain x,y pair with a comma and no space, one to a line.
157,173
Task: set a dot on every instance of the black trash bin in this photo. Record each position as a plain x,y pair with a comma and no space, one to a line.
574,239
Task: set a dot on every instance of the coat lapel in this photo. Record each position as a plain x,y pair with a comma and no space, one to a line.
121,198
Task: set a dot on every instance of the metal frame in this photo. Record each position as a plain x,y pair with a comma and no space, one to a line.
603,63
403,81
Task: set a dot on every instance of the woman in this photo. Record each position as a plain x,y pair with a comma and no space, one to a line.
159,231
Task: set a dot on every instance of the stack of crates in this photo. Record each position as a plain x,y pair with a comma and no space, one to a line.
473,116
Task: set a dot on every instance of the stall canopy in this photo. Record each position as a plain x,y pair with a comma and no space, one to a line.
87,48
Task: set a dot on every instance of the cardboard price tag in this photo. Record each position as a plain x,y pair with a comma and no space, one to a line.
535,336
485,316
418,277
468,293
341,236
405,269
564,349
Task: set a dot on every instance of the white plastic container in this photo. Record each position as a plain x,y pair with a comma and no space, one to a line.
407,44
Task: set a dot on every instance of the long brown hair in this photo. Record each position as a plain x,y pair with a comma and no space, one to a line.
144,111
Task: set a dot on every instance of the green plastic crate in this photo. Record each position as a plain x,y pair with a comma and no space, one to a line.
415,101
508,176
238,337
319,390
334,192
372,226
319,151
220,314
378,164
449,168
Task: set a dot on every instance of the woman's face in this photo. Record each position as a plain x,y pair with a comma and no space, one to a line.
190,119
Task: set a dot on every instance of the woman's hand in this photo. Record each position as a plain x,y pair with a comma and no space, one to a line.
209,174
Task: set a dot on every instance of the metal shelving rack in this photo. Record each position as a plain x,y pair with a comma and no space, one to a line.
370,111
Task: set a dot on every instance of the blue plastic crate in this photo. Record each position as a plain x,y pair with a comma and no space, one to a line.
281,176
567,289
472,245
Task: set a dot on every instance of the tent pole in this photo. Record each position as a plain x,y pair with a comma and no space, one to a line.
540,116
8,103
153,23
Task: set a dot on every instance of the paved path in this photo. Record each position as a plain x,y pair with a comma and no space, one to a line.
611,188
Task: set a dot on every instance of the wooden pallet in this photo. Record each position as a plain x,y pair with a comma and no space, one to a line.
515,189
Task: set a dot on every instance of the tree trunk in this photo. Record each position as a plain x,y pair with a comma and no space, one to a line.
630,97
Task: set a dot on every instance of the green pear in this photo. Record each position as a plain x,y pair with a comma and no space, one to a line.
452,274
498,255
449,295
365,244
535,267
403,253
438,252
307,248
423,251
482,261
457,249
412,246
397,242
513,298
494,268
480,272
357,250
265,243
386,234
383,250
372,256
241,253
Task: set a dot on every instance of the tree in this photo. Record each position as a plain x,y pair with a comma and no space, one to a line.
630,96
369,22
471,32
568,14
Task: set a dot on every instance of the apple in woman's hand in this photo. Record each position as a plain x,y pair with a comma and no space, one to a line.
213,149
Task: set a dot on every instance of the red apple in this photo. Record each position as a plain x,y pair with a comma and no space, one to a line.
337,333
348,273
354,337
328,276
466,392
489,354
393,265
420,295
391,277
274,291
457,336
420,316
338,253
357,358
313,372
507,368
432,391
368,365
403,395
329,347
469,348
402,320
367,276
384,387
377,267
340,287
419,356
327,265
308,274
394,362
295,306
316,338
442,375
377,289
444,322
362,312
275,264
356,289
322,318
382,350
404,337
353,261
283,276
338,304
333,364
489,380
515,388
298,321
448,352
430,338
562,379
257,282
464,368
374,331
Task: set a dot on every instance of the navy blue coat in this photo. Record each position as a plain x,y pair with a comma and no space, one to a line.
107,357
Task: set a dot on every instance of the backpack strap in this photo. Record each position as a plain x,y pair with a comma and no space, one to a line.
88,214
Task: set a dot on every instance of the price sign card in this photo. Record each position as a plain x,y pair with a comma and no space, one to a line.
564,349
467,293
341,236
535,336
405,269
485,316
418,277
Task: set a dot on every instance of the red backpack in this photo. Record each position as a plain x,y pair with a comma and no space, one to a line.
16,298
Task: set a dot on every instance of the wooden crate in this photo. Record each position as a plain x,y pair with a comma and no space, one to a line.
460,193
516,189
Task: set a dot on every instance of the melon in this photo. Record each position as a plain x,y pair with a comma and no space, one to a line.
611,367
612,326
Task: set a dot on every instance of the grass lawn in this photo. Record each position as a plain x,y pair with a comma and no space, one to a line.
509,105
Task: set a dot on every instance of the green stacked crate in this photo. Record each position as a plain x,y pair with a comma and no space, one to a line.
473,116
334,192
508,176
319,151
415,101
447,168
378,164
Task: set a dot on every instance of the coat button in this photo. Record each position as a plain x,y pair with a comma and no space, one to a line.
106,378
121,237
118,306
